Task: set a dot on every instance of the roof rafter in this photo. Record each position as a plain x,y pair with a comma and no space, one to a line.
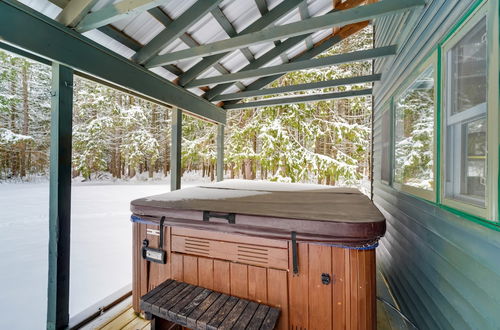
79,52
313,24
175,30
230,30
320,47
75,11
263,9
116,12
121,37
300,65
301,87
341,33
279,11
300,99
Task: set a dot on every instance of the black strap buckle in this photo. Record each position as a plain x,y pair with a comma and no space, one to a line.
295,257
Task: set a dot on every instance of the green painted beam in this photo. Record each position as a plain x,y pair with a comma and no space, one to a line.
176,150
313,24
115,12
121,37
265,21
75,11
295,66
301,87
175,30
299,99
263,60
82,54
23,53
60,197
230,30
319,49
220,152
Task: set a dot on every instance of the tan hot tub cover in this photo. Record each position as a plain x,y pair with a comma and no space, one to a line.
338,216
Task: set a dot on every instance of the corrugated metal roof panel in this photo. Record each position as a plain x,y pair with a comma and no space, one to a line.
144,27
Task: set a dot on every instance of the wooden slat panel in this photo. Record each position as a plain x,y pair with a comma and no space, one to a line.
271,319
299,287
257,284
348,289
143,264
155,306
136,267
175,310
362,284
164,271
239,280
339,290
211,311
258,317
239,252
177,267
190,271
277,294
157,293
234,315
219,236
222,276
198,311
353,265
320,295
246,316
206,273
373,290
189,308
222,313
166,306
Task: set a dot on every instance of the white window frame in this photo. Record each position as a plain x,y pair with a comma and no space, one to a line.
431,61
490,10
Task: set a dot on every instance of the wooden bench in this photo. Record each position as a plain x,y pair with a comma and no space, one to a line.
199,308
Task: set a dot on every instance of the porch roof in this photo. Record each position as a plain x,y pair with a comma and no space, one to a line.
198,55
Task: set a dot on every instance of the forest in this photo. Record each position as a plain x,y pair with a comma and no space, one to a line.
120,136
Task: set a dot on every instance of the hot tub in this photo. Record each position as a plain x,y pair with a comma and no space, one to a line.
307,249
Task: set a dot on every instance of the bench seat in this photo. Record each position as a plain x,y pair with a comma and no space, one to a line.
196,307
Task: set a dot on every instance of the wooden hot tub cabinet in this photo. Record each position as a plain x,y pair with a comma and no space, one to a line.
333,289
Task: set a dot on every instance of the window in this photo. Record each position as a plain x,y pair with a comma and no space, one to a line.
414,134
466,116
385,163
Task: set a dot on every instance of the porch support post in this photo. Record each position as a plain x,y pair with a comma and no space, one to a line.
60,197
175,150
220,152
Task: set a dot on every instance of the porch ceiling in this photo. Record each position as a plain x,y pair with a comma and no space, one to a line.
200,53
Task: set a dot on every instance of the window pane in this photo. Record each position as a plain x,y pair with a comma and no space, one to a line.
414,136
386,136
466,123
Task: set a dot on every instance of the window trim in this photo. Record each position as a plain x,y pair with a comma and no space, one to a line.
488,9
431,60
387,110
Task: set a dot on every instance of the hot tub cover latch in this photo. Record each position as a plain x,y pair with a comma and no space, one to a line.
230,217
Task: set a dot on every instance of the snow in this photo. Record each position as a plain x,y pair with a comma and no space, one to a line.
101,245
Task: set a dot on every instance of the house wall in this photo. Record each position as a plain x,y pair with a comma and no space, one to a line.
443,268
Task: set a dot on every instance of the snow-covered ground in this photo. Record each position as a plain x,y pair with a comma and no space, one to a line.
100,245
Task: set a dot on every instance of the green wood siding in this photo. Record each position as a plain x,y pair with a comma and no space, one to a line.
444,269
